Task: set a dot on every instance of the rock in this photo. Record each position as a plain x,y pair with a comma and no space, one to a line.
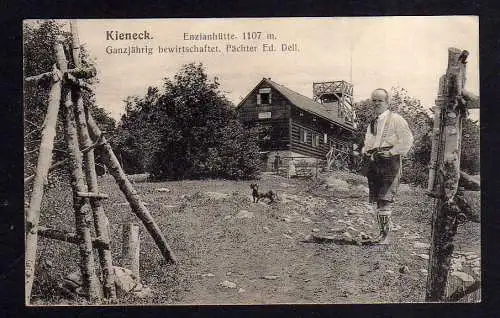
336,230
308,238
306,220
244,214
163,190
169,206
286,219
216,195
266,229
388,271
421,245
360,188
463,276
423,271
352,229
347,235
471,256
404,269
229,273
337,184
288,236
241,290
207,275
423,256
228,284
227,217
353,211
270,277
364,236
315,230
404,188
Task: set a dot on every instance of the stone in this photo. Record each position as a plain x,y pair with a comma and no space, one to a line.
241,290
352,229
216,195
423,256
163,190
306,220
266,229
288,236
227,217
207,275
336,230
315,230
244,214
423,271
421,245
270,277
388,271
463,276
347,235
228,284
404,188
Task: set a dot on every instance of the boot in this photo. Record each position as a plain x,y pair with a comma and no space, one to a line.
385,226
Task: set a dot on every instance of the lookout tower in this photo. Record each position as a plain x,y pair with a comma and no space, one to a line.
336,96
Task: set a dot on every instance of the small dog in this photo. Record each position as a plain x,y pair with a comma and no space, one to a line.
258,195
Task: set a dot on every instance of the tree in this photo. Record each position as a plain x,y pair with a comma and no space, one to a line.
189,130
39,57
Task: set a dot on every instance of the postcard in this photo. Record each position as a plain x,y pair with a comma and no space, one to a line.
252,161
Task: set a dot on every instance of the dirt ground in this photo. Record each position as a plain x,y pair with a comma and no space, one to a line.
233,251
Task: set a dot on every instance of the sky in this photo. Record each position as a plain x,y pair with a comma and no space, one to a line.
370,52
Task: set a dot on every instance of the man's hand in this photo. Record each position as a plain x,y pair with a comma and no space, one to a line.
385,154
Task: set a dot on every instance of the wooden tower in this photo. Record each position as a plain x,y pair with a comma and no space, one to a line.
337,94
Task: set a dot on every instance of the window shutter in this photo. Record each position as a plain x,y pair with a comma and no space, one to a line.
258,99
325,138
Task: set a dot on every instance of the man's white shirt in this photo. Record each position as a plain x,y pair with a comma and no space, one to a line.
397,134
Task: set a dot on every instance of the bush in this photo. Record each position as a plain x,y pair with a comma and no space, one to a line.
188,131
414,172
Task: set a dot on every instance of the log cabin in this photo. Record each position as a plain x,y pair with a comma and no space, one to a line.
292,125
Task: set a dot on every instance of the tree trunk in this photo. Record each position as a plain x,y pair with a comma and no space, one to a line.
44,161
131,248
132,197
100,218
446,152
83,217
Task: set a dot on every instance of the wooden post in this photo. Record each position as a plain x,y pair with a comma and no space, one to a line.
131,248
44,161
445,173
100,218
132,197
83,217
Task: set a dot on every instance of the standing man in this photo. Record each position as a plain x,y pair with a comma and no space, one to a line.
387,139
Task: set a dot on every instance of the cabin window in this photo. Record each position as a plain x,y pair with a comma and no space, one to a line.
303,134
315,140
264,96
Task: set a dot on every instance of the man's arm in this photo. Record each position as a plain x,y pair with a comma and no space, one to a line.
405,137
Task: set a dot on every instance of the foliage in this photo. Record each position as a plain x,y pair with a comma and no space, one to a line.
189,130
39,57
469,160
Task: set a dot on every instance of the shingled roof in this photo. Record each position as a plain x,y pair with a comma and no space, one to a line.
303,102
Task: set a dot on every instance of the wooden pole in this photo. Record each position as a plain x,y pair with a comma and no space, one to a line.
132,197
131,248
44,161
68,237
100,218
90,283
444,184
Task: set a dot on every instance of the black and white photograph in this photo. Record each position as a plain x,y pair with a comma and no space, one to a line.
252,161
